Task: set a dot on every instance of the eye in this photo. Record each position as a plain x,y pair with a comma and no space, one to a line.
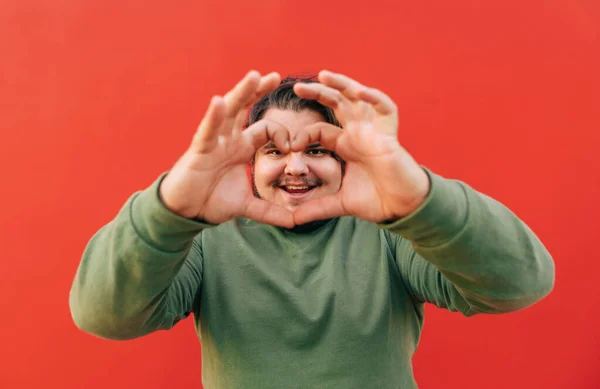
272,152
317,152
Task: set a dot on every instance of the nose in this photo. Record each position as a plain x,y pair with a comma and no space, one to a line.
296,165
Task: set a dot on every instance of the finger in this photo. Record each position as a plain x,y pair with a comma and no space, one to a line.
382,103
252,93
207,134
237,98
324,133
251,88
238,124
319,209
265,131
354,90
325,95
268,213
266,85
347,86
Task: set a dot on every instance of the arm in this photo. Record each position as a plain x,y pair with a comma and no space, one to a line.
455,247
143,271
140,273
466,252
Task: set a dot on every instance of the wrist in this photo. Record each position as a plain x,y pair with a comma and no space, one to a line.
417,190
167,196
422,188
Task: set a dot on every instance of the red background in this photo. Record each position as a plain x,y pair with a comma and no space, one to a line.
98,98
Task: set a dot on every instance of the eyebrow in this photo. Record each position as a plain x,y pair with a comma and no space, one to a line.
271,145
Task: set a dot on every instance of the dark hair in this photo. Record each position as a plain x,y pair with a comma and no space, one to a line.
284,98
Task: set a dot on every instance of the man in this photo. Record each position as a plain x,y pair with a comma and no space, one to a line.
316,276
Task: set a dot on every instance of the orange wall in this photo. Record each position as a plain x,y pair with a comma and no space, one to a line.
97,98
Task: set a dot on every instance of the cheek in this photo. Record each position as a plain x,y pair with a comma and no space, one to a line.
329,171
265,172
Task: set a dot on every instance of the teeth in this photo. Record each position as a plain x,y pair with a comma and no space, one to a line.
294,187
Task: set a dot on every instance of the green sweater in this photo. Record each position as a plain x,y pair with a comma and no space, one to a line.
337,307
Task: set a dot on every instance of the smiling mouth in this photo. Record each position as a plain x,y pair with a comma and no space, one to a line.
297,189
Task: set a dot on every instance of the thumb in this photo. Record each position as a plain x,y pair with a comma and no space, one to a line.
268,213
319,209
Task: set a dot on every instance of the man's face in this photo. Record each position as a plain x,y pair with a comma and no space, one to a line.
296,177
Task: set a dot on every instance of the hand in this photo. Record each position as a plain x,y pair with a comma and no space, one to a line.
382,181
209,182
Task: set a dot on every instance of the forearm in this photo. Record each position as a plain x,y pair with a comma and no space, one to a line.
492,258
121,289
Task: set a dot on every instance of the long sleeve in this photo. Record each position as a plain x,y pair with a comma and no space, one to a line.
464,251
140,273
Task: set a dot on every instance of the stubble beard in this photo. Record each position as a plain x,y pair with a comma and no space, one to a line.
307,227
